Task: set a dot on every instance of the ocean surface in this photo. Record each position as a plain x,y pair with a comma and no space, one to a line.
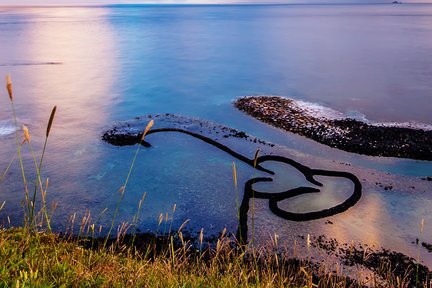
101,65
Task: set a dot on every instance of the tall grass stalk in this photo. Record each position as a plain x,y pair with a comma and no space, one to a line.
172,252
159,223
27,218
38,183
48,130
418,250
136,217
201,238
253,195
237,199
7,168
29,215
165,223
123,187
172,218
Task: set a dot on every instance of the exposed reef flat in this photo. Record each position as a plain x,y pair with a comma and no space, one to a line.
397,190
343,133
127,133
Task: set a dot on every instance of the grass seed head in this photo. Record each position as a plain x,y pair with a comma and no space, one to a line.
9,86
122,189
148,127
256,158
50,121
234,173
26,134
201,237
160,219
183,225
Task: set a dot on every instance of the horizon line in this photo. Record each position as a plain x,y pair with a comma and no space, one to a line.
201,4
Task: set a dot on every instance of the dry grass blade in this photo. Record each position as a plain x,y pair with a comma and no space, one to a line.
7,168
50,121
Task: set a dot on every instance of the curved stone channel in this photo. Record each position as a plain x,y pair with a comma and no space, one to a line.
129,134
345,133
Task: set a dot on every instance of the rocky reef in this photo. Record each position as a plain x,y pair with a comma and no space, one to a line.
343,133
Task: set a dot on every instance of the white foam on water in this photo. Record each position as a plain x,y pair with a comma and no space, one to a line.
6,128
318,111
356,115
411,125
322,112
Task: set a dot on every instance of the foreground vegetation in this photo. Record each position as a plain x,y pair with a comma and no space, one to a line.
48,260
34,256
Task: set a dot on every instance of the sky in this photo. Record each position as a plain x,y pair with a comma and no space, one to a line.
101,2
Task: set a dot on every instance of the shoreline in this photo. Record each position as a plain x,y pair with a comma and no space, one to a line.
129,132
342,133
351,255
378,266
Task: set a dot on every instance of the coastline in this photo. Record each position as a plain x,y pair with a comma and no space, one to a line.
144,259
342,133
381,185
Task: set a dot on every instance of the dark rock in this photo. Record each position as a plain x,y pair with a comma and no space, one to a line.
345,134
427,246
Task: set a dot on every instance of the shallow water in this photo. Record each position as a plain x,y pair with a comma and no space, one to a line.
104,64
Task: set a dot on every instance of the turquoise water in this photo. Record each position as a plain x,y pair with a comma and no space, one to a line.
104,64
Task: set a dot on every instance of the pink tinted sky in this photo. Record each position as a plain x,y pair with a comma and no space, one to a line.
96,2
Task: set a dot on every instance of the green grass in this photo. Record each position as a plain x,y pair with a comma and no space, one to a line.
42,259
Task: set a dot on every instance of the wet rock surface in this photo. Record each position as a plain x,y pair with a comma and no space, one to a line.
127,133
346,134
380,261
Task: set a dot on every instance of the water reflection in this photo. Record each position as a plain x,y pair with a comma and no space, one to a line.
81,87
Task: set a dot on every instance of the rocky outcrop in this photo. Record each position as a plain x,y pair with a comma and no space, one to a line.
346,134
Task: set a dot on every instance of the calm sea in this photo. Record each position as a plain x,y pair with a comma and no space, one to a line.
104,64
